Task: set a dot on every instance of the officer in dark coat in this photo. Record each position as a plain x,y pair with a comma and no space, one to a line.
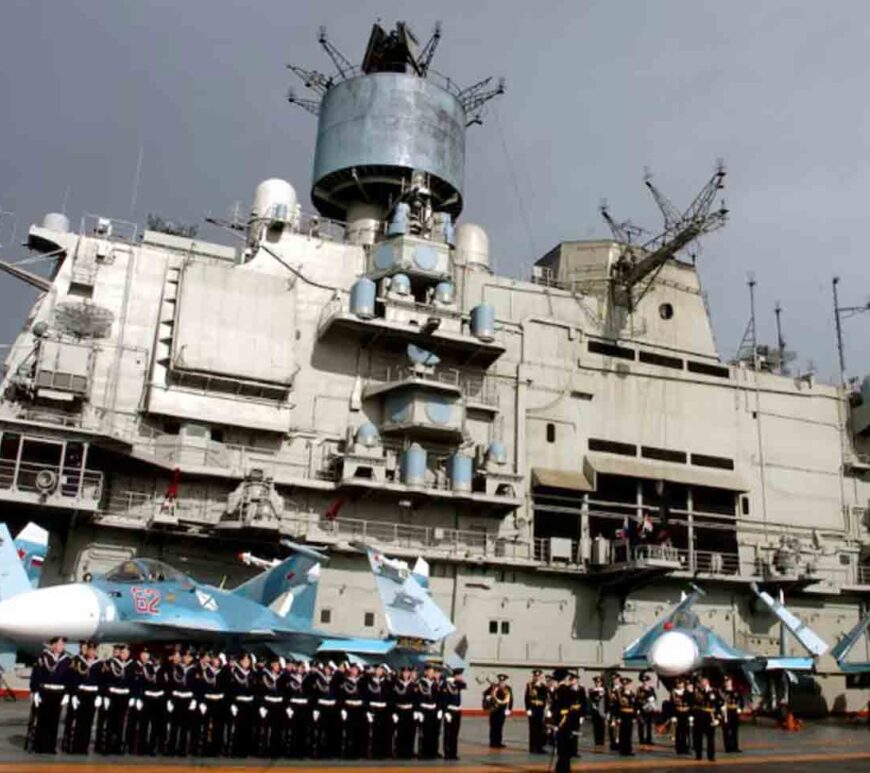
627,709
272,719
646,709
240,690
499,702
83,689
378,711
598,709
137,704
404,700
181,704
566,717
297,709
116,695
613,711
733,703
681,707
451,703
706,712
535,699
48,684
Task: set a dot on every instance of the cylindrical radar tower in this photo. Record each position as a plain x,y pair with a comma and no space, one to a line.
389,126
377,128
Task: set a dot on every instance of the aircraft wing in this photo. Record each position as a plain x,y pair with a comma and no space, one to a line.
358,646
843,647
811,642
409,610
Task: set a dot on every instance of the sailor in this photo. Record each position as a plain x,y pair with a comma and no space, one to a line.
136,704
681,707
536,704
272,719
377,694
326,720
706,711
102,715
84,688
733,704
451,702
404,700
240,690
48,690
210,717
498,701
429,714
646,709
297,709
351,694
598,709
626,707
151,689
181,704
117,691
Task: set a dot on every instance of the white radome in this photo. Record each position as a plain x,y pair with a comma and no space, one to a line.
674,653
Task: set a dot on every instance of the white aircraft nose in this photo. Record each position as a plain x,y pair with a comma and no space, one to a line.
72,611
674,653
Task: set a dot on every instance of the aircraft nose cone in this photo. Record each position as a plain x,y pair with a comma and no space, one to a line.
72,611
674,653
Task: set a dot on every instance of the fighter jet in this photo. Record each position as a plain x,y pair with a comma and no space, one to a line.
20,568
679,644
143,599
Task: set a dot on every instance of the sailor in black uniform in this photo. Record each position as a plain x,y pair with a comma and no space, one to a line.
326,721
566,717
48,682
297,709
404,700
377,695
429,713
137,705
150,679
351,694
240,689
83,688
115,703
272,719
450,691
598,709
208,740
180,704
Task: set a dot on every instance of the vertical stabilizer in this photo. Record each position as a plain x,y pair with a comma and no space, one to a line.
32,545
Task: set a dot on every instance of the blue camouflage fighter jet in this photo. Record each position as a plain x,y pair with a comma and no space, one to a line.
679,644
143,599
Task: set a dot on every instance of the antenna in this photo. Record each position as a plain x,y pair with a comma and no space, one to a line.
780,342
428,52
344,67
136,178
748,349
841,313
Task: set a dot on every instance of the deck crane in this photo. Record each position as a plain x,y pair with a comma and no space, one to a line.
638,264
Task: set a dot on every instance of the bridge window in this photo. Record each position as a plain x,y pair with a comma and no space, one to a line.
325,616
369,620
551,433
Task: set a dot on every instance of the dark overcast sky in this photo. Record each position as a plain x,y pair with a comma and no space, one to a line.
598,90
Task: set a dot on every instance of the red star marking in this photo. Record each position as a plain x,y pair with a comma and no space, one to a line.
289,575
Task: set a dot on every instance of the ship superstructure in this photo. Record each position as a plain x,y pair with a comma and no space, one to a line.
363,375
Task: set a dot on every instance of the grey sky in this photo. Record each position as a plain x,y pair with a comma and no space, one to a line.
597,91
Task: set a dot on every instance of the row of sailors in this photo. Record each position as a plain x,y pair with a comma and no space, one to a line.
558,705
239,707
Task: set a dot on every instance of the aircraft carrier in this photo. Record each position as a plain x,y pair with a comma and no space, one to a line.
361,374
